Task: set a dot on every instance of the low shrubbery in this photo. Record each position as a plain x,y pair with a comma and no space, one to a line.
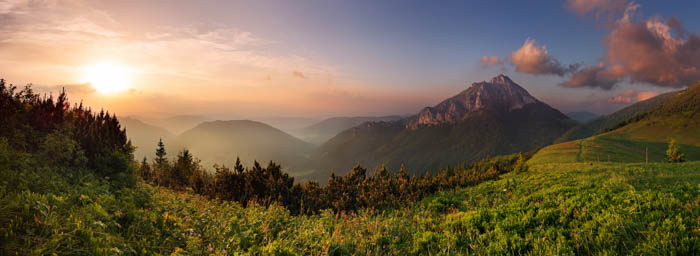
381,189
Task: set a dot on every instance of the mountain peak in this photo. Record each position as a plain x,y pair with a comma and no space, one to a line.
500,94
502,80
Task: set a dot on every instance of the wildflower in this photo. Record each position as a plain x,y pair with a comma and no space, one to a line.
224,251
211,249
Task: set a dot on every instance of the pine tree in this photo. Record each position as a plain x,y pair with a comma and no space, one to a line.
160,154
145,169
673,154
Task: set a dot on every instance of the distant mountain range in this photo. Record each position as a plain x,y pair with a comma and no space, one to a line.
144,136
177,124
582,116
322,131
633,133
221,142
489,118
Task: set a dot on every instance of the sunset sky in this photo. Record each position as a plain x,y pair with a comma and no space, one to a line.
241,59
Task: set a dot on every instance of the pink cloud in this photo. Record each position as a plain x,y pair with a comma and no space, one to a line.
487,61
533,59
599,9
645,95
656,51
631,96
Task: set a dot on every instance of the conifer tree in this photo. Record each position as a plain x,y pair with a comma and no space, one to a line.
160,153
145,169
673,154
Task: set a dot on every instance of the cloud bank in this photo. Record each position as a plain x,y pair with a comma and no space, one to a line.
655,51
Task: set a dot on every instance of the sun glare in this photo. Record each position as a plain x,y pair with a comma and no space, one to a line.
107,77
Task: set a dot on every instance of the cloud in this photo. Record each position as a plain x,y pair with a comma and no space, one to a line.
645,95
631,96
533,59
71,89
298,74
601,10
593,76
655,51
487,61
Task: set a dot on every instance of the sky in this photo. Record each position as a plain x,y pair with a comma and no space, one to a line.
244,59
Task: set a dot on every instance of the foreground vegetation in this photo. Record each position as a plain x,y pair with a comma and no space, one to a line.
552,209
69,186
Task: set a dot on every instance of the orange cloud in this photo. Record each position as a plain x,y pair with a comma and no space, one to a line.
631,96
298,74
533,59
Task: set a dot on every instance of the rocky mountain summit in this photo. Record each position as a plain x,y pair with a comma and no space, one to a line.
500,93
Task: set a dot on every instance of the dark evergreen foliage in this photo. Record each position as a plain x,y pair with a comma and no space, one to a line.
357,189
29,122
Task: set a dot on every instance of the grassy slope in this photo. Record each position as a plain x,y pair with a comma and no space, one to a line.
675,118
551,209
606,122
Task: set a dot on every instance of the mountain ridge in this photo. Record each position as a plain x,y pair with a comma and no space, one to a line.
480,121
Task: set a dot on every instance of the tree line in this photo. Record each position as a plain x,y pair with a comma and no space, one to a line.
380,189
74,135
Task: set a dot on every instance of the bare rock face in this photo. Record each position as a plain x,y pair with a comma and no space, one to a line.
499,94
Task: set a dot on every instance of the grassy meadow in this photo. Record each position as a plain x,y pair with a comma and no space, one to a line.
566,209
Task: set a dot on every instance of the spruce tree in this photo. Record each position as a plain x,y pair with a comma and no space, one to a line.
145,169
673,154
160,154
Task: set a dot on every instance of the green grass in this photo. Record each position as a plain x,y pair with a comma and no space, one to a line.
609,147
603,208
591,208
630,143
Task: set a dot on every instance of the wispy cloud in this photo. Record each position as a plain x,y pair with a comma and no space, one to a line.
487,61
47,42
600,10
298,74
631,96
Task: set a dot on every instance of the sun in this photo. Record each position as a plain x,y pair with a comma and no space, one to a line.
107,77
